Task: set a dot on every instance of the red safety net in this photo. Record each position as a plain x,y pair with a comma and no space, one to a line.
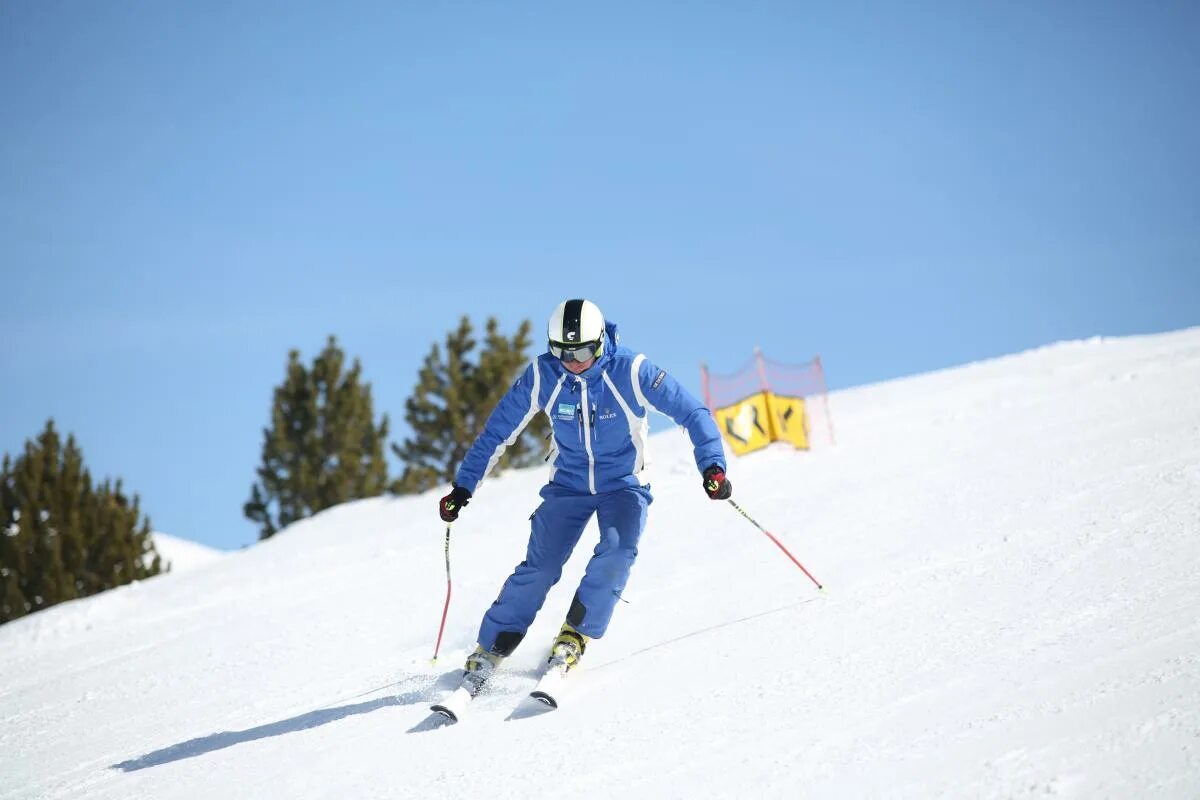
760,374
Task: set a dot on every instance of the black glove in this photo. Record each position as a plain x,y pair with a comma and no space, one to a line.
716,485
450,505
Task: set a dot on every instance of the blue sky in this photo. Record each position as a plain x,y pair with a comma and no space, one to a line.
189,190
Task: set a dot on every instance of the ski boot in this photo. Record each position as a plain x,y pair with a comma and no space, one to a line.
567,649
564,656
478,669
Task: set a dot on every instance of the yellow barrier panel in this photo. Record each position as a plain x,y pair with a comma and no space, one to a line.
789,420
746,425
762,418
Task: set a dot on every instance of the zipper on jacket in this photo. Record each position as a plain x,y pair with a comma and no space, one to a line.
599,398
579,427
587,437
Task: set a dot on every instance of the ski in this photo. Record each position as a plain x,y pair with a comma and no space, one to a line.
432,722
450,710
549,689
545,696
452,707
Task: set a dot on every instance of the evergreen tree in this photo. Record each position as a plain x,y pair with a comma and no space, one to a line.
323,446
452,400
60,537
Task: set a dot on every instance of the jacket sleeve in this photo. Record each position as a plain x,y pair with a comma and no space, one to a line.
504,425
665,395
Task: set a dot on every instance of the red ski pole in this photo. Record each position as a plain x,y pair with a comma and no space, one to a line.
437,647
778,544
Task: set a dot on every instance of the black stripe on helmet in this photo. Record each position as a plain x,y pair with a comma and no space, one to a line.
571,321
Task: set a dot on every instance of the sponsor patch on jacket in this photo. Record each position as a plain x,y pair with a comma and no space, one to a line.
662,373
566,411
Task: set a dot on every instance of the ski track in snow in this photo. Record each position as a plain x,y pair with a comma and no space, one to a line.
1009,549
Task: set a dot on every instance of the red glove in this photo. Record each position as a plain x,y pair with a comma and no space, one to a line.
716,485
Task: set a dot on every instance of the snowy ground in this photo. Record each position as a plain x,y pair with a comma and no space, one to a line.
182,554
1010,550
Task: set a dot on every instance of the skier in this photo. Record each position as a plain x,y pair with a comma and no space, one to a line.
598,396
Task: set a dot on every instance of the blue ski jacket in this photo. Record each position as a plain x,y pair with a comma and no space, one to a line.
600,420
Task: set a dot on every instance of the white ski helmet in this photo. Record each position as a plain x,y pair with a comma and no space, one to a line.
576,330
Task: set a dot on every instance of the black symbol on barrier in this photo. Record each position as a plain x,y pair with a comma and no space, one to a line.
754,421
729,430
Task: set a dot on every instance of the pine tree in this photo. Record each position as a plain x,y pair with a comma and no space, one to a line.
323,446
500,363
451,403
60,537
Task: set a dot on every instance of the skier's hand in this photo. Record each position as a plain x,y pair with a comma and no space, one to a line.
451,504
716,485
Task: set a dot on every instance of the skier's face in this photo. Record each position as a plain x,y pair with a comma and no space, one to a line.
578,367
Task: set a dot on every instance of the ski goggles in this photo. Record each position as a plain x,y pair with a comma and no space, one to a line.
575,352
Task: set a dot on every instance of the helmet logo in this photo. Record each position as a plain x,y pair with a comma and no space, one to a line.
572,336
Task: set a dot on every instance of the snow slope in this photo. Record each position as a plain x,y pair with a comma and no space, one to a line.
1010,550
184,555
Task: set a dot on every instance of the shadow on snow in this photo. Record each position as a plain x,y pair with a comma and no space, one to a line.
324,716
312,719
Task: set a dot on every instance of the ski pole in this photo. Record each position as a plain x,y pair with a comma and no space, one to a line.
437,647
778,543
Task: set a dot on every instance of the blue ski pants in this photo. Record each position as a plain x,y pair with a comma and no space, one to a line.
556,527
